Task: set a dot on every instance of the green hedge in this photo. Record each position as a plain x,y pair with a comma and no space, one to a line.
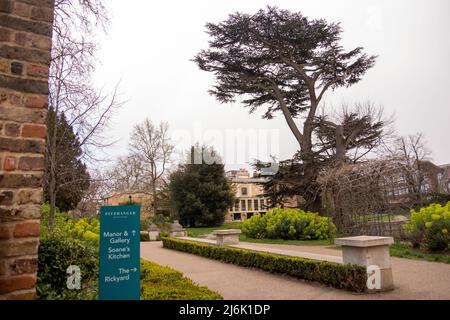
349,277
144,236
163,283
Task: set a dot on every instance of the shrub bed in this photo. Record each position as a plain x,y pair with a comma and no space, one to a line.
56,254
349,277
144,236
163,283
430,226
288,224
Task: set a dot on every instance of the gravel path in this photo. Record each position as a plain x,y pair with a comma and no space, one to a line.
413,279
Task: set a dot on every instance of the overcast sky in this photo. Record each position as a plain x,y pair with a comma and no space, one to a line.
149,45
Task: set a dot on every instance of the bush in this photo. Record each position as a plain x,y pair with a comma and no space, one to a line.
163,283
56,254
429,226
72,242
288,224
350,277
87,228
145,223
144,236
437,236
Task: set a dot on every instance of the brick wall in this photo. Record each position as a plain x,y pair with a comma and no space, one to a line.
25,43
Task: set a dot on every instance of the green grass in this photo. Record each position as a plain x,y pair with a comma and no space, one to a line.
202,232
164,283
403,250
290,242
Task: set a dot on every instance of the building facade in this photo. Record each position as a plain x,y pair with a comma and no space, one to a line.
249,196
444,179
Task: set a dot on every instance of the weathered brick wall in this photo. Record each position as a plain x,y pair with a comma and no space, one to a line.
25,43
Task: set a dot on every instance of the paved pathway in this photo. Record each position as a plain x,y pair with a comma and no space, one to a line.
413,279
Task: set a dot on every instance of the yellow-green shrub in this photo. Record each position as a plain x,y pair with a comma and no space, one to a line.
429,224
289,224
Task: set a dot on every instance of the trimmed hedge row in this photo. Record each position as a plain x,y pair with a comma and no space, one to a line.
349,277
164,283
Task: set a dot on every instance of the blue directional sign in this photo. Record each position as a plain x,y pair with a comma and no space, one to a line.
119,253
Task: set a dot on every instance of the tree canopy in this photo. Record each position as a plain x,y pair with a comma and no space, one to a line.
200,192
280,60
71,175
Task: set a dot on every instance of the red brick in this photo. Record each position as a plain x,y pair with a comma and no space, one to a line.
6,6
4,65
34,70
34,131
24,265
3,268
7,196
31,163
20,38
5,34
9,164
3,97
42,43
42,14
27,229
36,101
19,248
28,196
15,99
21,9
17,283
5,232
12,129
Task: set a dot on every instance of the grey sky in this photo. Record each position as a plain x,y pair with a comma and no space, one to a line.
150,43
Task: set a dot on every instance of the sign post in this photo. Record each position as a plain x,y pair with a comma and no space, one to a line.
119,253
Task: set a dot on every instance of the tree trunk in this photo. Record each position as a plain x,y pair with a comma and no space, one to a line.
155,201
340,146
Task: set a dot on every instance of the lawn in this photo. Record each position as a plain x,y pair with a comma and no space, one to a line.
290,242
202,232
404,250
164,283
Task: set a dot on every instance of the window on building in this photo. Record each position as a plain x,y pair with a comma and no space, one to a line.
256,205
250,205
236,205
249,215
244,191
243,206
237,216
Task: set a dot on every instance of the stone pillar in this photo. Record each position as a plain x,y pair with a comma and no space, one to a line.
227,236
25,45
372,253
177,230
153,232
